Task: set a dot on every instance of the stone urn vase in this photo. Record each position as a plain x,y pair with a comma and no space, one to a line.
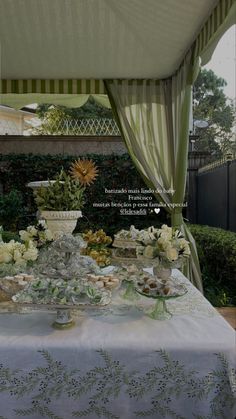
61,222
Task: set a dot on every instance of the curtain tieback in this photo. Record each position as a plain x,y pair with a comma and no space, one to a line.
176,217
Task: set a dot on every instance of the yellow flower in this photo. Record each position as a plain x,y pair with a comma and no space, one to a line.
84,171
171,253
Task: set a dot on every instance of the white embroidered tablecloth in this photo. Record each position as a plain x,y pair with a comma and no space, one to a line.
119,363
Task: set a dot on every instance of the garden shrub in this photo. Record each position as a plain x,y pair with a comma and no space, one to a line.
9,235
115,172
217,255
11,210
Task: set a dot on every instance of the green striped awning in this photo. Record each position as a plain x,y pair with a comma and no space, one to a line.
68,86
222,16
215,26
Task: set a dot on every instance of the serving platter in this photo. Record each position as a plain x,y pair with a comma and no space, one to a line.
64,319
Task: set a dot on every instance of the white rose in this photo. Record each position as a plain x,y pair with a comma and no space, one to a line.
10,245
24,235
171,253
166,235
17,255
163,244
31,254
166,232
5,256
150,252
32,231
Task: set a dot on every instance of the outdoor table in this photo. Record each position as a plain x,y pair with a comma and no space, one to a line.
118,363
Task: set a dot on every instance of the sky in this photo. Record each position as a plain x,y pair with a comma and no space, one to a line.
223,61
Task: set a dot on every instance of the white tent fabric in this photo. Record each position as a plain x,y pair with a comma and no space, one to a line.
222,17
61,39
67,47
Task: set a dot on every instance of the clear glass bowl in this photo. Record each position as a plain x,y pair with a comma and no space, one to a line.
160,311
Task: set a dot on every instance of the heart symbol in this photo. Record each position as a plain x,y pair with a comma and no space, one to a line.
157,210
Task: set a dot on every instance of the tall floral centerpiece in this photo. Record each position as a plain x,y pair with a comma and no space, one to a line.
165,246
61,200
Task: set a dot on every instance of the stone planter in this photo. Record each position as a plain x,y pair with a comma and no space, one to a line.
61,222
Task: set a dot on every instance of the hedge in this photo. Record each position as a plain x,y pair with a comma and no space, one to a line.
217,255
115,172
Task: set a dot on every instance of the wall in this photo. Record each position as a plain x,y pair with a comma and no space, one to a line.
69,145
216,195
196,159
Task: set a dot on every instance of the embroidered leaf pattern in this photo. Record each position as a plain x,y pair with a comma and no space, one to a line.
43,411
168,381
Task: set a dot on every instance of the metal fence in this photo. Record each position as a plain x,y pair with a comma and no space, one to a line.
216,194
101,126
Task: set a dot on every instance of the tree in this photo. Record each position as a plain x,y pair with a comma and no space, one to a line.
62,120
212,105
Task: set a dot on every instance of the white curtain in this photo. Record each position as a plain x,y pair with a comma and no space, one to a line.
153,117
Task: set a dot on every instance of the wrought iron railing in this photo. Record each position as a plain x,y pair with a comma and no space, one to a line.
217,163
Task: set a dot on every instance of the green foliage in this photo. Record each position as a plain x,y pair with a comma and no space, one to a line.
65,194
9,235
91,109
54,116
212,105
11,209
217,254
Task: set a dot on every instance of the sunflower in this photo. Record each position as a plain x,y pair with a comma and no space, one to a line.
84,170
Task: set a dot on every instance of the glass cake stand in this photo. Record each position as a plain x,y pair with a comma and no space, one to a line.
64,319
160,311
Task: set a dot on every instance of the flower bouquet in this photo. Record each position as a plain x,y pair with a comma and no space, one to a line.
97,246
14,259
18,254
166,247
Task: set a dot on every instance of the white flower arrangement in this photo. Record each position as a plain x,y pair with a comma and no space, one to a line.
17,253
165,243
39,234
